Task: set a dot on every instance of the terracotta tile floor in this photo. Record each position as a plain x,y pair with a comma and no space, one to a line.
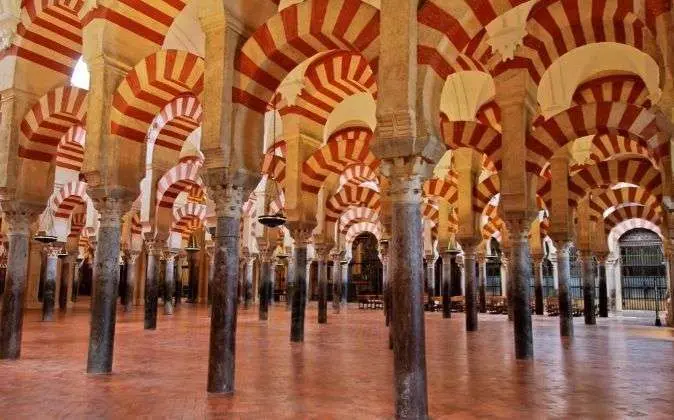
343,370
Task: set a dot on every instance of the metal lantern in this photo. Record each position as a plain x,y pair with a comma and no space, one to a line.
268,219
62,253
192,245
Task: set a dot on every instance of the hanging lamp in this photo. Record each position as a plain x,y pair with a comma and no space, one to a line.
192,245
271,192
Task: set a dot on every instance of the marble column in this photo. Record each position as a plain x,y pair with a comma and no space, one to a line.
385,262
248,281
49,291
538,283
588,287
222,347
267,282
76,279
177,275
193,276
507,260
299,283
3,274
564,296
67,270
603,287
131,268
322,257
482,282
104,304
518,226
307,280
169,280
430,277
18,221
336,282
470,291
152,284
345,282
407,317
447,258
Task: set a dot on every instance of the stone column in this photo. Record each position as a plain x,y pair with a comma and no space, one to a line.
131,268
298,282
336,282
3,274
588,287
447,262
177,275
104,304
407,317
345,282
169,280
193,276
67,270
538,283
151,284
49,291
518,227
221,356
470,291
385,262
507,259
322,258
76,279
482,282
430,277
18,220
603,286
563,276
248,281
267,281
307,280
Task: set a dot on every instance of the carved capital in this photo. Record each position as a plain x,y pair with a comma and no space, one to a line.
228,192
19,216
300,232
132,257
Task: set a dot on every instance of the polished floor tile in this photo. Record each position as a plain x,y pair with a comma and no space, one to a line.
342,371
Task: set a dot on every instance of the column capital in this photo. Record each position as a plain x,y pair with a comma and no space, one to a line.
228,189
170,254
537,257
153,248
111,203
52,250
132,256
519,223
323,250
19,216
301,232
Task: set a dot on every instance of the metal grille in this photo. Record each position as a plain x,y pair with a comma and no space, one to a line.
493,285
644,283
575,280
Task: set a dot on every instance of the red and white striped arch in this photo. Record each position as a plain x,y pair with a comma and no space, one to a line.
180,178
49,120
556,27
629,89
485,191
149,20
152,85
445,189
621,196
136,224
70,196
357,174
356,215
343,149
623,227
70,151
494,227
429,211
633,171
77,223
274,166
349,196
609,146
189,217
583,120
474,135
623,214
360,228
329,80
177,121
296,34
50,34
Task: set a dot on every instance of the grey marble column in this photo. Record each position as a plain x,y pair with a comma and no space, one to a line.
248,281
193,276
18,221
104,304
152,284
67,271
298,284
345,282
76,279
49,291
407,317
169,280
508,261
603,287
430,277
177,275
322,257
266,283
482,282
131,268
563,277
471,309
538,284
307,280
222,346
385,262
588,287
447,261
336,283
521,273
